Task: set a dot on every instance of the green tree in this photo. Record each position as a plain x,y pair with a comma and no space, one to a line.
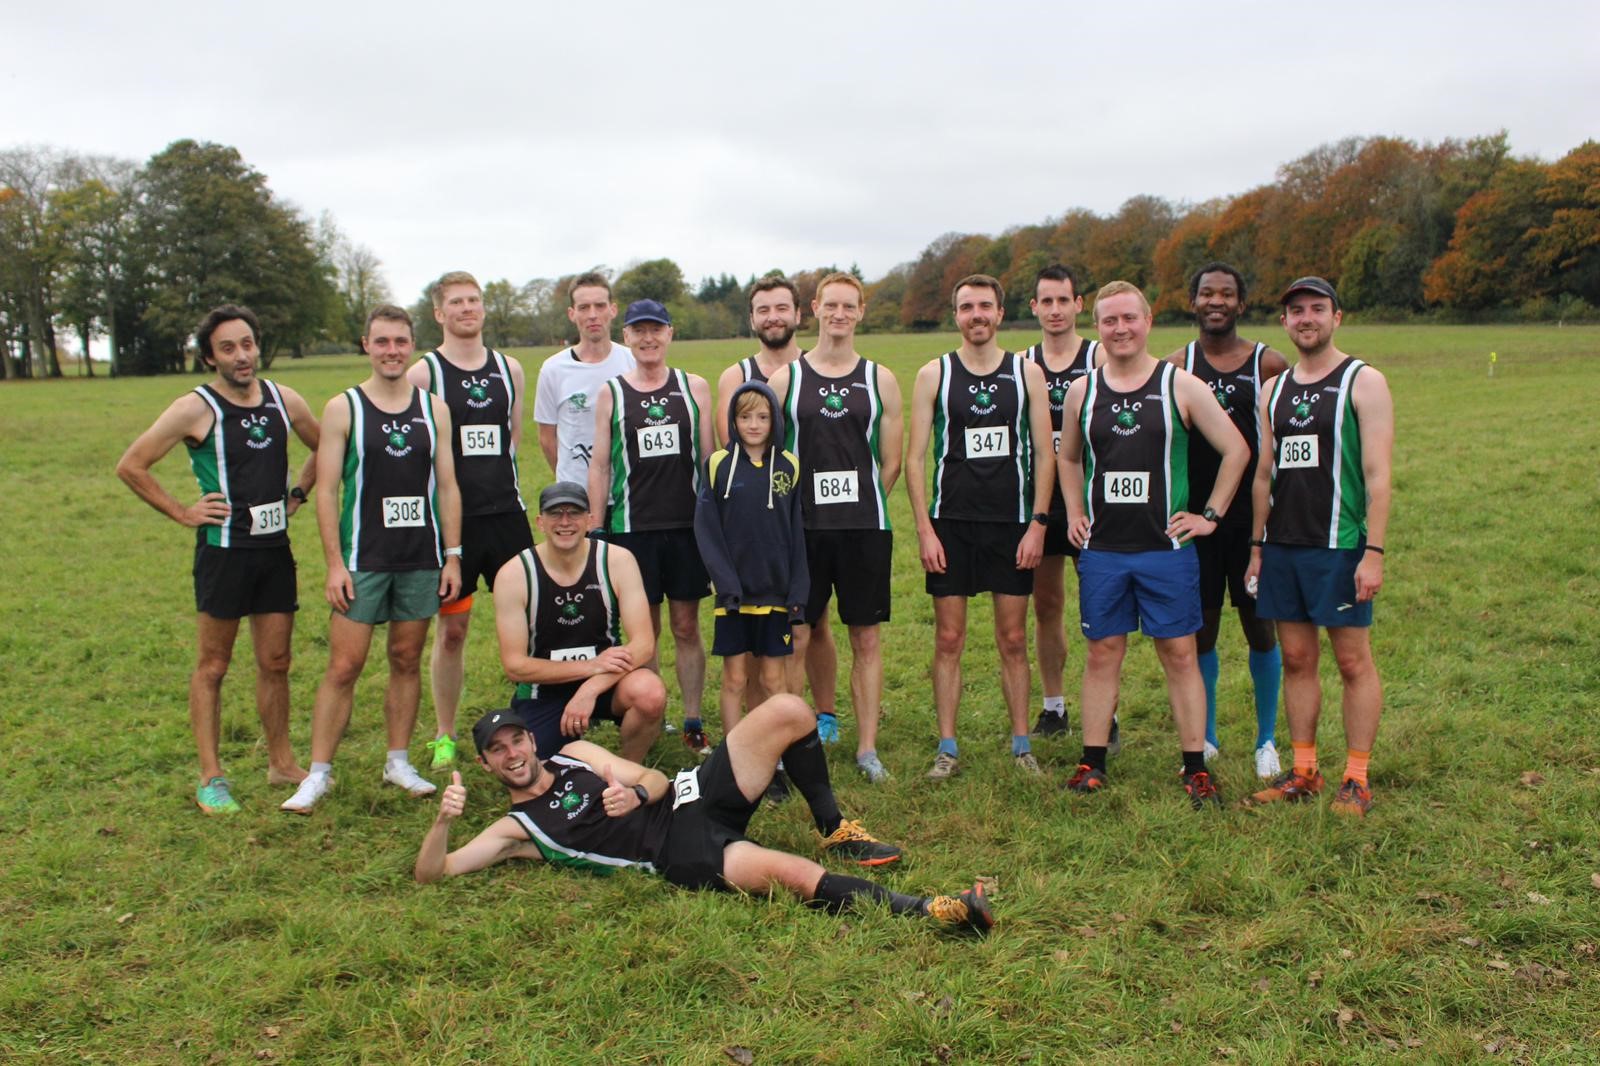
34,252
95,214
654,279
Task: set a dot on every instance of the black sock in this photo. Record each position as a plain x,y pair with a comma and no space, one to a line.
807,766
1095,756
835,892
1194,762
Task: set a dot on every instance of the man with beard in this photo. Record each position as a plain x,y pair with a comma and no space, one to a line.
1234,369
236,428
392,541
1321,515
651,440
1124,443
569,380
987,416
589,809
843,419
483,390
774,319
1064,357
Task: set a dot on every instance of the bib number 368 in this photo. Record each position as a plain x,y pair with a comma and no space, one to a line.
402,511
1297,452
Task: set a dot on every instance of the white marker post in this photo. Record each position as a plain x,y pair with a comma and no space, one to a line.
1493,358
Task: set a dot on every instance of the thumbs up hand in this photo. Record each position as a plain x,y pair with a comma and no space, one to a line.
619,799
454,800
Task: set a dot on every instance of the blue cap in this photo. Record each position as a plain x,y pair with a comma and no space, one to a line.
646,311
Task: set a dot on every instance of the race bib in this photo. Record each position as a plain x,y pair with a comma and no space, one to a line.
1126,486
685,788
402,511
657,441
568,655
1055,442
993,442
480,440
1297,452
267,518
835,486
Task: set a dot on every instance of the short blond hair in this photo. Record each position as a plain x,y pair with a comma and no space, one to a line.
454,277
839,277
749,400
1119,288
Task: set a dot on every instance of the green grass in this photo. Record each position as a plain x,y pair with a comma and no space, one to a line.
1459,921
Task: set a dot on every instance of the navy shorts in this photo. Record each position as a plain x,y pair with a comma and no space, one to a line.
542,717
1156,592
709,813
669,563
1316,585
1224,557
765,635
979,557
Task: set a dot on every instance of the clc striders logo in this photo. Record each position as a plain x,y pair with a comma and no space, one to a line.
1126,417
255,431
833,400
570,605
398,446
982,398
1303,405
478,392
655,409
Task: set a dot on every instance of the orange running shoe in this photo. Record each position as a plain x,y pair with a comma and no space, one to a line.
1291,786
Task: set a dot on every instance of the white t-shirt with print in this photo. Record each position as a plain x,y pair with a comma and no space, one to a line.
564,398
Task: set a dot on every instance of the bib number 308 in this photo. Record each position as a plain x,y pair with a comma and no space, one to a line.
1126,486
402,511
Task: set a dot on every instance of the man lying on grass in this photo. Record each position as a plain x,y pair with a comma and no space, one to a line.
590,809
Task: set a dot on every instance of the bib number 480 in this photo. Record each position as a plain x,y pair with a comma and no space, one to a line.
1126,486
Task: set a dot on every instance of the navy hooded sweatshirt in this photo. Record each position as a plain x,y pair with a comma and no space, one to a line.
747,521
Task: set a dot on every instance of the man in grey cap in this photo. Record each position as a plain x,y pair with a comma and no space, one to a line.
562,610
652,436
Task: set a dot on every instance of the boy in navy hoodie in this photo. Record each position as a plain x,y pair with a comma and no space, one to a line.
747,523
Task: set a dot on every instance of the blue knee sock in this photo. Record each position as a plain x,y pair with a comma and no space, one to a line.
1019,744
1266,672
948,746
1208,674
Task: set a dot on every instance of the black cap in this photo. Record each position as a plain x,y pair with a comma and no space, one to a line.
484,729
560,492
1310,283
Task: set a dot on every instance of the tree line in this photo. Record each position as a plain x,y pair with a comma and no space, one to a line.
135,254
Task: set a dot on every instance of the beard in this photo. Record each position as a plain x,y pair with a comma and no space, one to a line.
776,337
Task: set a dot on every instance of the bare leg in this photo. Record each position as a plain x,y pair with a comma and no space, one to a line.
795,669
822,667
759,740
684,617
1363,691
1011,639
641,700
403,696
348,643
215,638
949,638
270,633
1186,692
1102,675
1302,689
754,868
737,679
1050,634
866,684
447,668
771,672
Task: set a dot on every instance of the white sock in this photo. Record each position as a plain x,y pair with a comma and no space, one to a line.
1055,704
400,756
323,768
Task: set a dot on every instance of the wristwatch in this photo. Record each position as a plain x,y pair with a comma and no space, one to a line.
642,793
1042,518
1209,515
456,551
298,493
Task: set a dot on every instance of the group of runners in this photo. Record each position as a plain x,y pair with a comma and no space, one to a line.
776,496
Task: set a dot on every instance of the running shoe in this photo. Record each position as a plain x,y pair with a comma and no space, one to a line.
1114,742
1353,798
312,789
696,741
401,773
1291,786
444,752
852,842
777,788
945,766
1201,790
828,728
1028,764
873,768
970,909
1087,779
213,797
1052,724
1267,761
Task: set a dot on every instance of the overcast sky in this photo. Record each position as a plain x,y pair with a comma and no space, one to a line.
526,140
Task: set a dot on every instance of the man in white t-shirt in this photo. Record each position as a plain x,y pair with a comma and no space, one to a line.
563,403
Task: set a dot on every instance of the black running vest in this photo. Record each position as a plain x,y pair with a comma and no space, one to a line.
387,517
245,456
570,827
833,427
1135,460
569,622
1319,487
656,463
1236,391
1056,385
982,443
480,403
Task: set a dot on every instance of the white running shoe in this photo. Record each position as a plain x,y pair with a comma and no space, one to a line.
1211,751
312,788
1267,761
405,775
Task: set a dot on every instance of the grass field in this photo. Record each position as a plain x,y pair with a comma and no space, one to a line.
1459,921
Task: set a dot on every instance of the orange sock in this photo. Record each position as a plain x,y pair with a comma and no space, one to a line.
1305,757
1355,766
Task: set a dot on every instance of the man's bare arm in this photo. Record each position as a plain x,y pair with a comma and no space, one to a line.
891,430
500,841
187,417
